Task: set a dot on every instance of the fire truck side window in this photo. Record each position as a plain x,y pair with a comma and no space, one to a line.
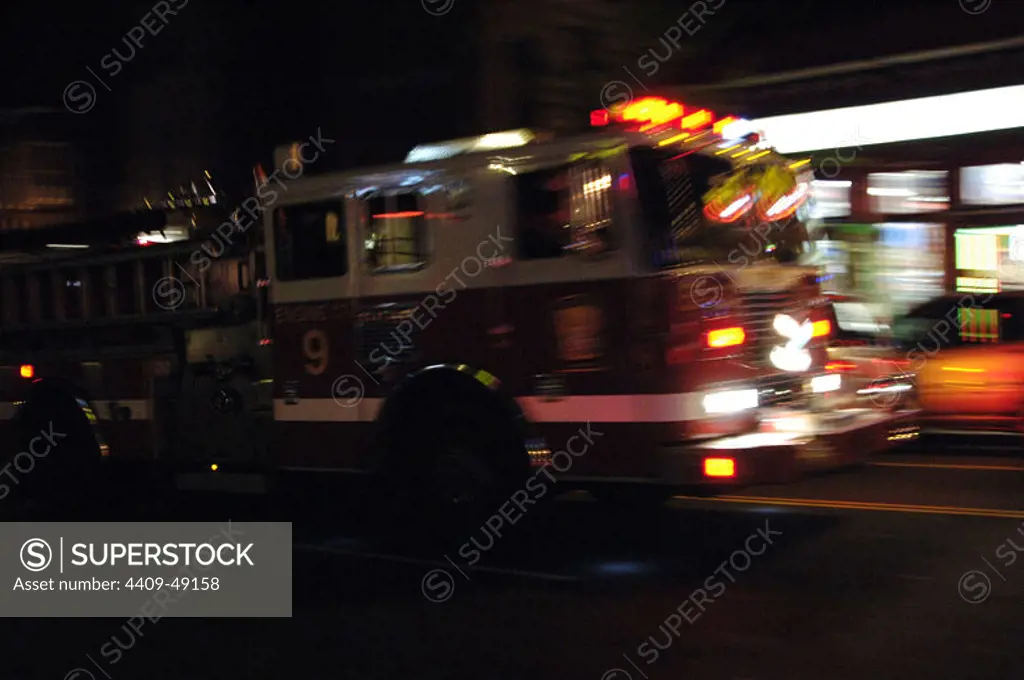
396,239
542,200
309,241
671,189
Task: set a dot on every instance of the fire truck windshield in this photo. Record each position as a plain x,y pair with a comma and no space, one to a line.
671,189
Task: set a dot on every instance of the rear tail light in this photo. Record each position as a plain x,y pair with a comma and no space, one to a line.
719,467
28,371
726,337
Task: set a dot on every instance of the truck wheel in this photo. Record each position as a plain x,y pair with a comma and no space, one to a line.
451,467
634,496
59,464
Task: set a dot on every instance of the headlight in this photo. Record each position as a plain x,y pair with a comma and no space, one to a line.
730,401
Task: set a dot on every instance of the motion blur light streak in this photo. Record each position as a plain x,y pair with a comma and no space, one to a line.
898,121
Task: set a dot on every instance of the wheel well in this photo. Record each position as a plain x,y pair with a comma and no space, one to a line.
53,400
421,393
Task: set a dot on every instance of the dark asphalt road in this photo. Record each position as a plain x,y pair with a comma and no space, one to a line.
861,579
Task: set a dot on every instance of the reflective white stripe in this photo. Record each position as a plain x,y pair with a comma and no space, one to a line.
618,408
141,409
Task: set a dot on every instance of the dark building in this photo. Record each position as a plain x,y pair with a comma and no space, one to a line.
40,171
544,64
920,196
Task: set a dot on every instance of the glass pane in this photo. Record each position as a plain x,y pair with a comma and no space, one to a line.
543,199
396,239
830,198
302,244
912,191
999,184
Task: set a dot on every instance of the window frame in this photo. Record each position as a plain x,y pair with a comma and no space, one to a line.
328,206
421,236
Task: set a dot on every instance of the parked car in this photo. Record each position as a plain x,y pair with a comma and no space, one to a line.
967,351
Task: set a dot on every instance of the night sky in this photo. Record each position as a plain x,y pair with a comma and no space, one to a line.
224,81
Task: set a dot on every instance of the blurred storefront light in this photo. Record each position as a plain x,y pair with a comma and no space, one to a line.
896,121
912,191
988,257
830,198
1000,184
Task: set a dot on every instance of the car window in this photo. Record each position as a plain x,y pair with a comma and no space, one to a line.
932,325
962,320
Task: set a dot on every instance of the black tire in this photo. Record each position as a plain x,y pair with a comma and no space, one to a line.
449,467
60,466
634,496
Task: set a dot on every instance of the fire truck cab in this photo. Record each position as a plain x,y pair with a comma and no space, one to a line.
625,310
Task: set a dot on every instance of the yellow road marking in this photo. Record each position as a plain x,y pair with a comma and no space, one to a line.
952,466
859,505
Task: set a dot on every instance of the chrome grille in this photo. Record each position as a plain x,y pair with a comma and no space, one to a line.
759,310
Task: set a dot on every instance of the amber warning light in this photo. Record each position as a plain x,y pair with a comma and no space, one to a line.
719,467
820,329
28,371
726,337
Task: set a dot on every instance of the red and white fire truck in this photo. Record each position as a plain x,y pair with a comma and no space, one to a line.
627,307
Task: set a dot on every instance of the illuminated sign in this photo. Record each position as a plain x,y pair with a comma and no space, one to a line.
897,121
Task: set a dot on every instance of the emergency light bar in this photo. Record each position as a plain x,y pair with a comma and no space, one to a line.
897,121
648,113
491,142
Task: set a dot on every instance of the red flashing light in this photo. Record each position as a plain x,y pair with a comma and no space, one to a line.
726,337
651,111
732,212
27,371
719,467
646,113
399,215
260,175
787,205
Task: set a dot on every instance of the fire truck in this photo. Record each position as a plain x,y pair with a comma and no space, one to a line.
627,309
